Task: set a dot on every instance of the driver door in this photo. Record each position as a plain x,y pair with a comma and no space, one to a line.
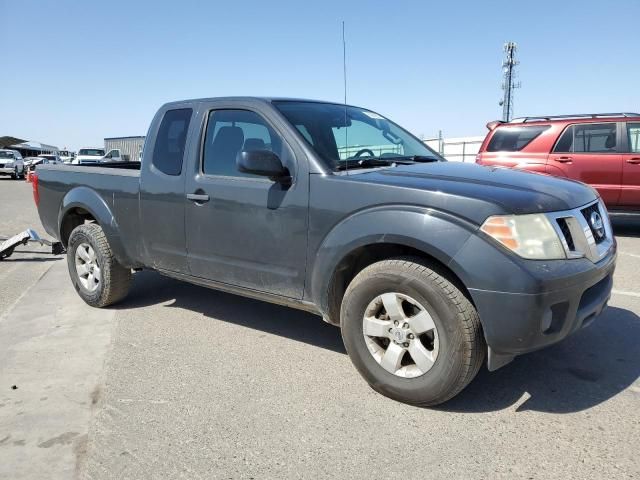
243,229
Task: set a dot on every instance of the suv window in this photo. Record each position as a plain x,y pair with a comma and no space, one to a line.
229,132
168,151
514,139
588,138
633,130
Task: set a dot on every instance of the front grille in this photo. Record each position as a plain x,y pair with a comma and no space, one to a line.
598,236
566,232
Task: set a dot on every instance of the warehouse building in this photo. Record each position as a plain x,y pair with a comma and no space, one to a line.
130,147
27,148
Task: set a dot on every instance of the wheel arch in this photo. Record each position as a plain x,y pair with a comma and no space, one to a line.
81,205
358,242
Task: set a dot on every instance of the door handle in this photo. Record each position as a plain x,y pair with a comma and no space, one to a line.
198,197
563,159
634,160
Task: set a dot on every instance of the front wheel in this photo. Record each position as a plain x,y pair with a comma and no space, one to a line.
95,273
411,333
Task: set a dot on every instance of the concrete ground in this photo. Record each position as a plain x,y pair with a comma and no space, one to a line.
184,382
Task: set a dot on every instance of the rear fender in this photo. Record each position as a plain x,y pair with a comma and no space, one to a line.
89,200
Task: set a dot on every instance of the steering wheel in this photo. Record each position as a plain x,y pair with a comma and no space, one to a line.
361,152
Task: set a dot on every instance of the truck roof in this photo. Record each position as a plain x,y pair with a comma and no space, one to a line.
252,99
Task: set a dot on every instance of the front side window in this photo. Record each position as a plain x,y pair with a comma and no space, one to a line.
633,131
231,131
514,139
588,138
340,134
168,151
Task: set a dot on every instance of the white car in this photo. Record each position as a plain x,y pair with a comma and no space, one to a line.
66,156
88,155
52,157
11,163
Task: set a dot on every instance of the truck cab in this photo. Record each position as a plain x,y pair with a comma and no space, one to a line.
88,156
115,155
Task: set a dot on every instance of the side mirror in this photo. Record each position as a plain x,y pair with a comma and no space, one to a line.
264,163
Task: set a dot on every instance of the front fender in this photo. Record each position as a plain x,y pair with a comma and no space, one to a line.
89,200
435,233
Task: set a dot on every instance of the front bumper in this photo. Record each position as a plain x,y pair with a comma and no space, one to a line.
517,323
7,170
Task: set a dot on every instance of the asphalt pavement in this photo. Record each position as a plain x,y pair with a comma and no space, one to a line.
180,381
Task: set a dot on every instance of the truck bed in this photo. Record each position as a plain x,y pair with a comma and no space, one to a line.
116,184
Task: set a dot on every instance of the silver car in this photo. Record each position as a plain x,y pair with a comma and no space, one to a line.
11,164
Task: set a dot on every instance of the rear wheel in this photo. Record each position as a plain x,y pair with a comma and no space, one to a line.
95,273
410,332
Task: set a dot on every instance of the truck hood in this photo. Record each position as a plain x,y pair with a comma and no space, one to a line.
515,191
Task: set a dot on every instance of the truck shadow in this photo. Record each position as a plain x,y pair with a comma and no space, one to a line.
579,373
150,288
585,370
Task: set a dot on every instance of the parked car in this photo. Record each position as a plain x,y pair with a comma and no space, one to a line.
30,160
115,156
42,161
51,157
602,150
11,164
30,163
87,156
428,267
66,156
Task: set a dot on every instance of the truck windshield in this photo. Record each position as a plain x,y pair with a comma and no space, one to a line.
92,152
350,135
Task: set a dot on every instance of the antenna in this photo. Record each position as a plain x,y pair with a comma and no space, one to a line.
344,75
509,84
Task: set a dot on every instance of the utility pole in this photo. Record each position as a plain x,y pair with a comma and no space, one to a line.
508,83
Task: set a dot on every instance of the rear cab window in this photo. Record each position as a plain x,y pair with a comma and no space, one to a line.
168,151
514,139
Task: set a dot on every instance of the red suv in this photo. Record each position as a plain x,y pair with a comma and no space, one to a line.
602,150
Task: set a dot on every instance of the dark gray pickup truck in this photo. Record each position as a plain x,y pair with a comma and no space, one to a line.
429,267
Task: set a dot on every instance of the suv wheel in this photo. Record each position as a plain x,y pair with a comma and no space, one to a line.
95,273
410,332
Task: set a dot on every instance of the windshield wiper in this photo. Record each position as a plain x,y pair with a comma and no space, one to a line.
364,163
413,158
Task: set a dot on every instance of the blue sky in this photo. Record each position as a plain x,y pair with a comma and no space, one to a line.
89,70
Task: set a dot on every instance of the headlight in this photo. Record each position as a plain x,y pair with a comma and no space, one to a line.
530,236
9,164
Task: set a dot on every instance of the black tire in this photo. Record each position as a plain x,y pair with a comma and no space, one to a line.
14,175
115,279
461,345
